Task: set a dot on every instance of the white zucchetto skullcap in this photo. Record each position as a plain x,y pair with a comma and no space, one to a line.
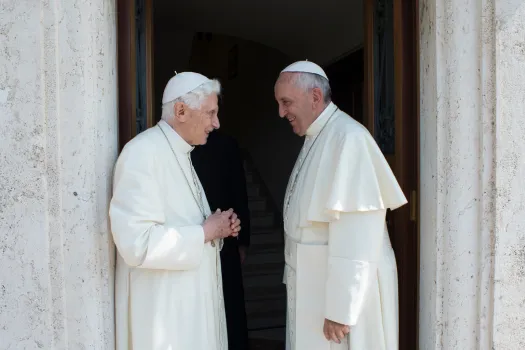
181,84
306,67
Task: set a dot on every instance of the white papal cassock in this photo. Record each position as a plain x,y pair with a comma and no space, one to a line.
168,281
339,261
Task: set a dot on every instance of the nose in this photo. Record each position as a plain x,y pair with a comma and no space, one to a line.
215,122
282,111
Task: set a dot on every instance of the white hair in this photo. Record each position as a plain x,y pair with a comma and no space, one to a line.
192,99
309,81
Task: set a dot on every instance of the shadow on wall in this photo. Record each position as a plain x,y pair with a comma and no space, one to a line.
248,110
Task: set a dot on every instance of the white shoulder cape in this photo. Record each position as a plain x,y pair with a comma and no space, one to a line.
351,174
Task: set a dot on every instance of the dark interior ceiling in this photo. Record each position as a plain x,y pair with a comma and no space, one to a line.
304,29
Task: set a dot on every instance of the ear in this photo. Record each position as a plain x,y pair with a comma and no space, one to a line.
318,97
180,112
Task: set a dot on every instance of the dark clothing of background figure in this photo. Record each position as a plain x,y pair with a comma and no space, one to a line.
219,165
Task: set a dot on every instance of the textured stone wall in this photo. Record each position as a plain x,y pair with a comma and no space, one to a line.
58,144
472,174
509,269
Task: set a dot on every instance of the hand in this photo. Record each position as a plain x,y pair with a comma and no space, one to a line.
235,224
242,252
334,331
217,225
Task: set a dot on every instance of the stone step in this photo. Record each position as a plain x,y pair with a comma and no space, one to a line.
269,268
269,282
275,238
269,277
269,292
255,262
253,189
266,344
270,248
266,230
257,204
256,198
272,273
261,306
261,270
268,319
264,283
275,334
258,213
250,177
262,220
266,313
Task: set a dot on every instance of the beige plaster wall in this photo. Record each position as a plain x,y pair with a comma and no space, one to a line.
472,174
58,143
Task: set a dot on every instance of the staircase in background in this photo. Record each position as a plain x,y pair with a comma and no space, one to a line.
265,294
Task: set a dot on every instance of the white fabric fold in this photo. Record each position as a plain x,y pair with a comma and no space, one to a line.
354,249
351,174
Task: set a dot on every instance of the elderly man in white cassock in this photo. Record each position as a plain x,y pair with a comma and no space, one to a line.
168,278
340,269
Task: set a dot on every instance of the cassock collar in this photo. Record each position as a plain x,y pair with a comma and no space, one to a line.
176,141
321,120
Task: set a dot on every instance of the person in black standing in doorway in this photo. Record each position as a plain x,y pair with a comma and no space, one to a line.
219,165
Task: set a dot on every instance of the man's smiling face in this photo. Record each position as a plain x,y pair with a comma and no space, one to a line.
295,104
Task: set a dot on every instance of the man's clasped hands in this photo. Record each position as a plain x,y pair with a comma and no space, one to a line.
221,224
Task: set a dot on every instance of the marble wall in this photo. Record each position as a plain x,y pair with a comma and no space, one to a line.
58,144
509,267
472,61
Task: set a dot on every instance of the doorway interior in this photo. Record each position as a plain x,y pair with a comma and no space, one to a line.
369,51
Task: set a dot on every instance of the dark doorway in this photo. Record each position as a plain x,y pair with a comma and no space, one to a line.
346,77
377,83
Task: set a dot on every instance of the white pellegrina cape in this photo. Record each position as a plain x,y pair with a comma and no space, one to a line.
168,281
339,261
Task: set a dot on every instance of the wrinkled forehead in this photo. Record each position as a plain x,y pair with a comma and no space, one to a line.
286,78
286,85
210,102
